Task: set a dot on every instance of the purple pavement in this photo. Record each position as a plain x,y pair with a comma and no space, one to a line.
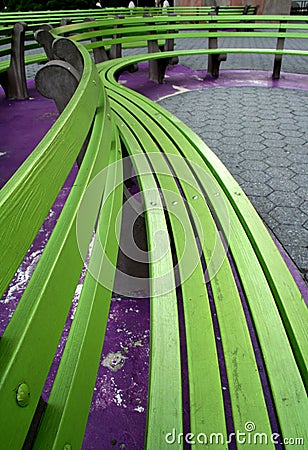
22,125
118,412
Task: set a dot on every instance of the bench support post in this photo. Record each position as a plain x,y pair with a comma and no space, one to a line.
58,79
278,58
116,49
214,60
14,80
157,68
100,54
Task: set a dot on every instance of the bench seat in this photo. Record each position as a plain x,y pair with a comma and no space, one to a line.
187,183
228,323
207,30
30,341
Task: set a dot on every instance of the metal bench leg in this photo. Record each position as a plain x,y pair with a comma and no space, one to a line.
14,79
214,60
278,58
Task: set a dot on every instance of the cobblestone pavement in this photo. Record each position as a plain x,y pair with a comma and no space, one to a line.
261,136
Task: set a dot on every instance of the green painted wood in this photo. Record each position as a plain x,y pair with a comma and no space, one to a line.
40,316
250,278
140,28
30,189
65,418
241,365
165,391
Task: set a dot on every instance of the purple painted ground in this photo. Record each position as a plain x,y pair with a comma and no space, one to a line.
118,411
180,79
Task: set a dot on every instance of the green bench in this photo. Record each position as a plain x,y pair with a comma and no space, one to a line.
207,29
16,42
220,291
29,343
106,42
182,179
39,17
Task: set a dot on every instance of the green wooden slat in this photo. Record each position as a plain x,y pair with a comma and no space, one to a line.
164,396
270,353
65,418
39,318
142,31
29,189
201,388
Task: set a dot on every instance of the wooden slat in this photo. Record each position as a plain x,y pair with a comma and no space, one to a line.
230,314
256,301
30,189
165,385
41,313
65,418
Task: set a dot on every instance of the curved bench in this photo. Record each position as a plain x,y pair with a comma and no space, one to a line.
153,30
74,15
134,31
226,315
30,341
187,184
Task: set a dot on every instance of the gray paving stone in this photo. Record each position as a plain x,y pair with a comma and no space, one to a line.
280,172
262,204
297,255
257,188
269,221
274,143
280,151
255,176
232,159
254,155
299,150
292,235
288,216
272,136
255,166
304,208
301,179
295,132
262,168
279,161
251,146
302,193
301,169
294,141
285,199
282,184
